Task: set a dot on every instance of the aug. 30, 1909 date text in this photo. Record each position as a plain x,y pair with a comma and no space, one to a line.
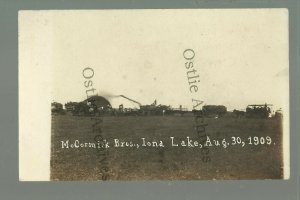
172,142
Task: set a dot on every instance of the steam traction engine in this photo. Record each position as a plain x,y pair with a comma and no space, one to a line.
258,111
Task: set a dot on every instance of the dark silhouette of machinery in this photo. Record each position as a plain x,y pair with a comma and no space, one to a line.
98,105
214,110
278,113
94,105
258,111
57,108
152,109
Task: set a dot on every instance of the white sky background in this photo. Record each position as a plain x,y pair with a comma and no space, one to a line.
241,55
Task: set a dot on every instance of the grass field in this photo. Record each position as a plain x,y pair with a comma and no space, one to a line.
168,163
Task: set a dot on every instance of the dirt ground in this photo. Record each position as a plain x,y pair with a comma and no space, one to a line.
260,161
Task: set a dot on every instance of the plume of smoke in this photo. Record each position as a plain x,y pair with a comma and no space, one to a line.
108,95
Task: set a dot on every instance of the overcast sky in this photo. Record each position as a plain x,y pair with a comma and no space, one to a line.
241,55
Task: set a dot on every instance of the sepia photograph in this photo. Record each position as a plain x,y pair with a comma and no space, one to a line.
164,94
